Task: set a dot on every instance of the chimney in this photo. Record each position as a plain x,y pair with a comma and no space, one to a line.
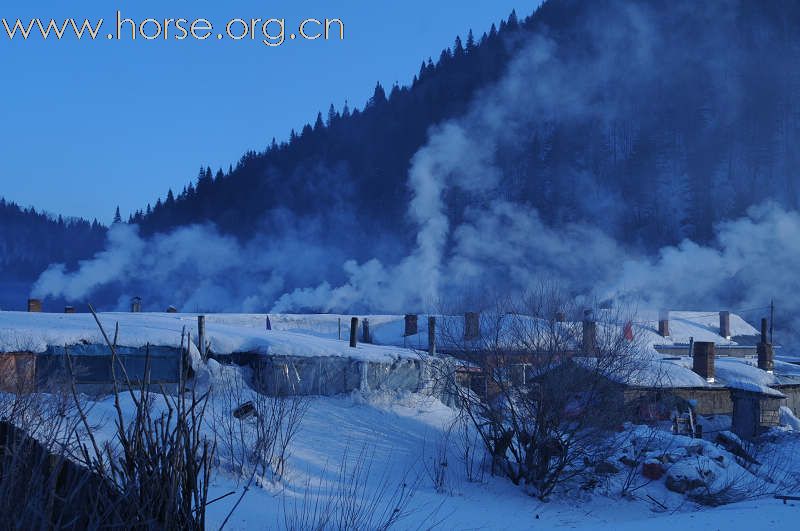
365,335
766,359
725,324
472,325
432,336
354,332
34,306
663,323
561,317
589,332
136,305
172,309
69,309
411,325
703,359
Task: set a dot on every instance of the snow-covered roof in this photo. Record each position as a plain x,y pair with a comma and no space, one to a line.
730,372
317,335
228,334
389,329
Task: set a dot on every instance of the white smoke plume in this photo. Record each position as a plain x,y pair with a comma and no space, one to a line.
496,243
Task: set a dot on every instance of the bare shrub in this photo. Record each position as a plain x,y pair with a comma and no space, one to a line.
256,444
354,500
156,470
40,488
472,452
437,462
277,423
231,434
541,393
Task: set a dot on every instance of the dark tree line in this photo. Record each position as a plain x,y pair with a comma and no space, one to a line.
705,131
685,155
32,240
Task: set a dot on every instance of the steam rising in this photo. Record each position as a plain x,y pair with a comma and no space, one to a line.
496,243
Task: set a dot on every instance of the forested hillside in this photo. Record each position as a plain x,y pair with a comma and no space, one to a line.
558,146
699,131
31,240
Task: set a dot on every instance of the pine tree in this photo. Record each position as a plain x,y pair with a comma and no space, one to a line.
470,42
117,216
319,125
458,48
331,115
378,97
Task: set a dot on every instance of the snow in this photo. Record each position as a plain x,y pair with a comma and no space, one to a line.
34,332
247,332
398,436
389,329
788,418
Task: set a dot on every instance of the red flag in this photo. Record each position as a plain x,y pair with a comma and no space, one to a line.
629,331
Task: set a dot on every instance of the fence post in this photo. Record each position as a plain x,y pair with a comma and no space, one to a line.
201,336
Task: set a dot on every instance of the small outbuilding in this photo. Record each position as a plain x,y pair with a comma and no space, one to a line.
755,411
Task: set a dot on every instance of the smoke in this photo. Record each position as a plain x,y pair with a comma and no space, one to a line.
495,242
194,267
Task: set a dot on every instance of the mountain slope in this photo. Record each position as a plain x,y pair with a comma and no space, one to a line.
31,240
699,115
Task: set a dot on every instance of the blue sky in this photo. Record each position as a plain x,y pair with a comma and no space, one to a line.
88,125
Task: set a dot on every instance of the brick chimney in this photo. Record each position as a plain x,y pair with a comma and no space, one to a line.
34,306
703,359
69,309
472,325
561,317
411,327
725,324
766,358
589,333
136,305
663,323
366,337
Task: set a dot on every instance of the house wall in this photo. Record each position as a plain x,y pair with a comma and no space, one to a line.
327,376
745,419
792,393
17,372
90,368
709,400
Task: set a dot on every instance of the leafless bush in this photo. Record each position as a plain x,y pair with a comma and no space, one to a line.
232,434
542,393
437,462
258,443
471,451
155,472
353,501
40,488
57,473
278,422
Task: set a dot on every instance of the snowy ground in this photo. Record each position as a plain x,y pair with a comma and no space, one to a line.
400,437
